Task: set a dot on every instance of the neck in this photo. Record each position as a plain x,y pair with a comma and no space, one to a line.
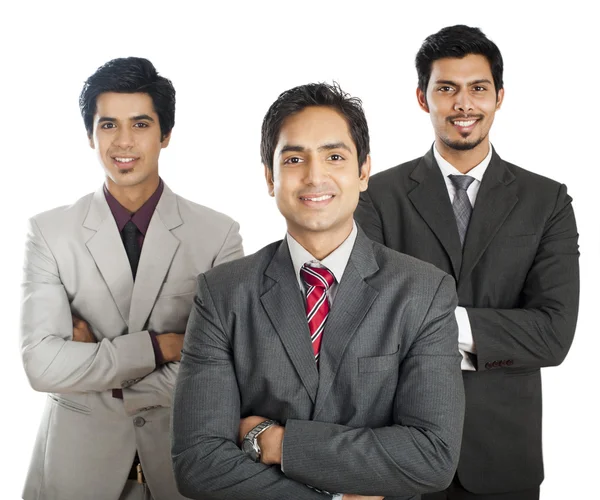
133,197
463,160
321,243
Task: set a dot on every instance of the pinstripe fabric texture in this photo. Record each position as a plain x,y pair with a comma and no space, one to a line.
317,281
382,415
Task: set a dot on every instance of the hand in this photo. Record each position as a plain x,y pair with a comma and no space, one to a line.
269,441
170,345
82,331
359,497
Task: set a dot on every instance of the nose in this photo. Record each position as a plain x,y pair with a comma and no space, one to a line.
124,138
316,172
463,103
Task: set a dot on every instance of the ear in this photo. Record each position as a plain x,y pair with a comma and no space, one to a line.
422,99
499,98
165,142
270,181
365,172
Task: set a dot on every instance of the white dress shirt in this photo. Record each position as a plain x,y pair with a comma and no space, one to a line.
336,262
466,344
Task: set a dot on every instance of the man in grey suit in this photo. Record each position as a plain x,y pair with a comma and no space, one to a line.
108,287
508,237
338,354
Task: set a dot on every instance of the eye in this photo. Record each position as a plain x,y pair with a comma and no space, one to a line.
445,88
140,125
292,160
479,88
335,157
107,125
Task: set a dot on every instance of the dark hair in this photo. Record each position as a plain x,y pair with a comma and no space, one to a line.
129,75
457,41
314,94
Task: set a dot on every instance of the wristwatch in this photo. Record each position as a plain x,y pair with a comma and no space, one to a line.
250,442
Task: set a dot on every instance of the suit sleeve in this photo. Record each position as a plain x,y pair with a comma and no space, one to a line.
540,332
157,388
368,218
419,453
207,462
53,361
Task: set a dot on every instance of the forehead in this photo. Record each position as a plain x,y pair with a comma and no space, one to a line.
121,105
313,126
470,67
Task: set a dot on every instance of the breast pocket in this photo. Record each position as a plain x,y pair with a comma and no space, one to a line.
177,287
386,362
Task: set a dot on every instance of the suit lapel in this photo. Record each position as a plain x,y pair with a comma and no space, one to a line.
284,305
108,252
158,251
495,200
430,198
353,300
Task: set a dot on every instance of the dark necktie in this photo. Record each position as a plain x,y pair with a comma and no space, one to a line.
317,280
462,205
130,236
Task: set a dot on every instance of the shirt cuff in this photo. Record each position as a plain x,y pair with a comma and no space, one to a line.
158,357
466,343
337,496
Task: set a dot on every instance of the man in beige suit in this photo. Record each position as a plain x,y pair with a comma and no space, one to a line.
108,287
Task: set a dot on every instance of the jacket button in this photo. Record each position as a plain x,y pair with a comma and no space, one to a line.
509,362
495,364
488,366
139,421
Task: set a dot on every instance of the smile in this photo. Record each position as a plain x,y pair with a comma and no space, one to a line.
318,198
124,160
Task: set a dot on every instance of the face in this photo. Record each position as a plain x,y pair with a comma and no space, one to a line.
461,100
127,138
315,178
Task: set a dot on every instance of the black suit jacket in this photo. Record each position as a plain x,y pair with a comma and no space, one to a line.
517,277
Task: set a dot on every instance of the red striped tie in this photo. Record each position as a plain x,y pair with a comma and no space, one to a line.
318,281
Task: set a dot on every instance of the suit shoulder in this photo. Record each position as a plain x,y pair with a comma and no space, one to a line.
64,215
241,272
382,179
192,210
392,261
531,178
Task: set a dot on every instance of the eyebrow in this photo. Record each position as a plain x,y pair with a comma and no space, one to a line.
325,147
136,118
454,84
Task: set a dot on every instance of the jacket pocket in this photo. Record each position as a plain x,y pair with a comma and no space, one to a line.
379,363
69,404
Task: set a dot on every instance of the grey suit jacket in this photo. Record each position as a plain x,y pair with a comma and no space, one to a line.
517,277
76,264
382,415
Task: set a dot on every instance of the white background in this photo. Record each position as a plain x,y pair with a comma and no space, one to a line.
228,62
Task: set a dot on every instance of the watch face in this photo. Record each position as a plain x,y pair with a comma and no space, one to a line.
249,449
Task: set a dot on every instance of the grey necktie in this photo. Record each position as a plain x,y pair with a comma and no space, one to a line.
461,205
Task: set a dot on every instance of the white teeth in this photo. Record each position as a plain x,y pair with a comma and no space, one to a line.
124,160
320,198
464,124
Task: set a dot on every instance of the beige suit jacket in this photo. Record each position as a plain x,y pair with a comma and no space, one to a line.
75,263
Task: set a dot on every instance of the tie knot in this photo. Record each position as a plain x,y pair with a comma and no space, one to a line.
461,181
320,277
130,229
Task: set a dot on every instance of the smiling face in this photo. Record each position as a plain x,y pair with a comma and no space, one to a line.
461,100
127,139
315,178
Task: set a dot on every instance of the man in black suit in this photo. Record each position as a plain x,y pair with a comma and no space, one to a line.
508,236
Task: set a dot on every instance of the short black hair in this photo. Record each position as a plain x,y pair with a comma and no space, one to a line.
129,75
458,41
314,94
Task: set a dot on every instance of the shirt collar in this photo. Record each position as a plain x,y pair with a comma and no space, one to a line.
142,217
336,261
448,169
